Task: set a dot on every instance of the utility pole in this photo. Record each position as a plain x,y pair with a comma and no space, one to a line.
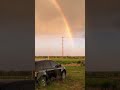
62,47
48,57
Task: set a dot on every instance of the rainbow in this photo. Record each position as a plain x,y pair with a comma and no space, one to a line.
54,2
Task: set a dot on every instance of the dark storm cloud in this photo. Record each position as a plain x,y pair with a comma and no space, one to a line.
102,51
103,15
102,35
16,34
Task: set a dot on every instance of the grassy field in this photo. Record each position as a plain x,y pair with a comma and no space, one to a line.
103,80
65,60
75,79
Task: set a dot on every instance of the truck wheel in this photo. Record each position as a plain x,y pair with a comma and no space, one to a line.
63,75
42,81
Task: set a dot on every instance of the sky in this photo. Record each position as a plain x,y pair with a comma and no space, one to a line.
55,19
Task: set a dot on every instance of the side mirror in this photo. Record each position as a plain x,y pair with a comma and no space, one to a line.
58,65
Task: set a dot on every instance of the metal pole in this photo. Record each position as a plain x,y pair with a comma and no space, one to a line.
48,57
62,47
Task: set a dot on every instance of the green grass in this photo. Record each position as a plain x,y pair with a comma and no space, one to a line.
65,60
75,80
103,80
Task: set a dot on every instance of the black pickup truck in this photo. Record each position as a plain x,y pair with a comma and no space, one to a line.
48,70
